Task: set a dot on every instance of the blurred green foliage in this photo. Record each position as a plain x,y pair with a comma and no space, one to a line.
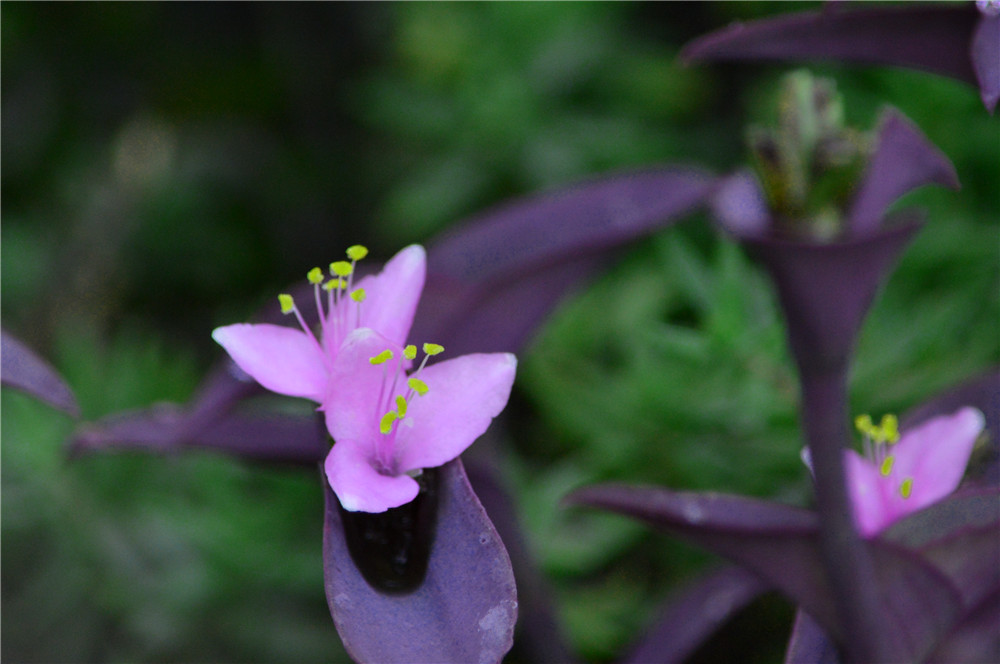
166,168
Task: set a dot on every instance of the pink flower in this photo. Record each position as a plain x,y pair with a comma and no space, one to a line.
388,426
898,476
297,362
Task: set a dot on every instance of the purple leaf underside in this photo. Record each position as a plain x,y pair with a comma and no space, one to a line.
929,38
781,544
466,607
22,369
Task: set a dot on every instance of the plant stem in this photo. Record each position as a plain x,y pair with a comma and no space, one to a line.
848,564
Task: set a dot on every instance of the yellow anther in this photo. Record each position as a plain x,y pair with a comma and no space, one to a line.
357,252
890,428
906,488
863,423
335,284
410,352
315,276
358,295
287,303
887,465
382,357
418,386
341,269
385,424
433,349
401,406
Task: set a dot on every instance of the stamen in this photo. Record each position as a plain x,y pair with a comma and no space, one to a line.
433,349
887,465
385,424
382,357
358,296
401,406
890,428
357,252
315,277
341,269
906,488
863,423
287,303
410,352
417,385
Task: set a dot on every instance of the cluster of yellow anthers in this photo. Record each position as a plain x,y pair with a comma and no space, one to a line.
342,273
415,385
878,438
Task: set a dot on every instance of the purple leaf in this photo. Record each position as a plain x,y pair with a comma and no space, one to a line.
590,217
466,607
483,319
976,638
781,544
930,38
168,428
539,638
694,613
809,644
970,560
826,289
903,160
959,535
973,509
493,279
986,59
22,369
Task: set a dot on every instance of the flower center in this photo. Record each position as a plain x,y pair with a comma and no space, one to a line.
393,401
878,440
342,312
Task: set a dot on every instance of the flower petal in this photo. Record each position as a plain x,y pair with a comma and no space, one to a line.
282,359
865,486
359,487
352,405
466,393
393,294
935,455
